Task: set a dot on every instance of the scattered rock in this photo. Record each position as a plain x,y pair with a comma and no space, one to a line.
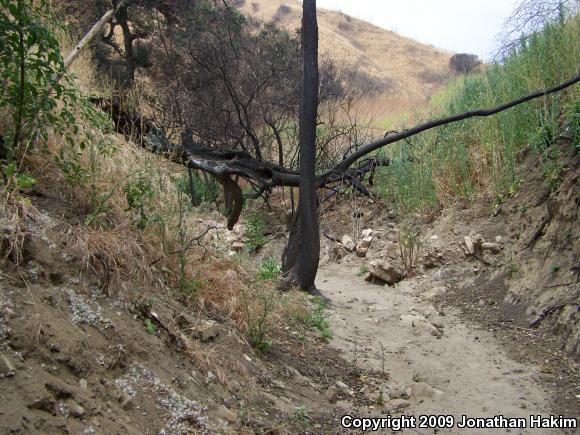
278,384
363,246
331,394
494,248
392,214
75,409
434,292
422,390
420,324
385,272
348,243
395,405
206,330
58,391
7,369
238,246
226,415
469,245
366,233
393,250
125,400
338,251
83,384
342,387
46,404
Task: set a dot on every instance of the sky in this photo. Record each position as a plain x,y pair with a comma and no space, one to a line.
460,26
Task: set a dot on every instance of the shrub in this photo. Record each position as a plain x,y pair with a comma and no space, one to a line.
479,156
269,269
464,63
257,320
255,231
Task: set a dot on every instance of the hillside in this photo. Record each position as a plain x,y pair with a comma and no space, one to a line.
412,71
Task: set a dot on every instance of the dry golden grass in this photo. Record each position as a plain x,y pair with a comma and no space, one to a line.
414,71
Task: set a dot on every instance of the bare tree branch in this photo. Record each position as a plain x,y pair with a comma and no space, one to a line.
366,149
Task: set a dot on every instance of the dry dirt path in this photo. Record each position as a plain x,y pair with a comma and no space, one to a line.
474,376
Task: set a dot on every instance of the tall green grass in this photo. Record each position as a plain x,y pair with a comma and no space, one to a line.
479,156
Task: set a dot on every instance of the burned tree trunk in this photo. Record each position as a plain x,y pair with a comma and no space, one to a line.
300,258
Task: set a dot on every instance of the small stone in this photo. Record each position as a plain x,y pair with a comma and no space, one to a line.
75,409
278,384
422,390
224,414
338,251
83,384
385,272
126,401
494,248
393,250
238,246
58,391
206,330
348,243
395,405
478,239
331,394
7,368
342,387
46,404
469,245
366,233
210,377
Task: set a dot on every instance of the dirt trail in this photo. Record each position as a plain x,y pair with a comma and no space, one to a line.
474,376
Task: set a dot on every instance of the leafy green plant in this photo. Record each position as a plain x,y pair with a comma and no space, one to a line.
511,268
363,270
150,326
15,180
138,193
316,318
300,415
255,231
39,99
205,189
409,241
269,269
257,319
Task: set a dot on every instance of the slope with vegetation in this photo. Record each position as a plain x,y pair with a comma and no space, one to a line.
408,73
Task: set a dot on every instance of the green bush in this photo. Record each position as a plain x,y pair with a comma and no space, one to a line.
255,227
39,99
316,318
206,190
479,155
269,269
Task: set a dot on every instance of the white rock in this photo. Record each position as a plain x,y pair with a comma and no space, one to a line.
366,233
385,271
348,243
422,390
492,247
469,245
206,330
342,387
